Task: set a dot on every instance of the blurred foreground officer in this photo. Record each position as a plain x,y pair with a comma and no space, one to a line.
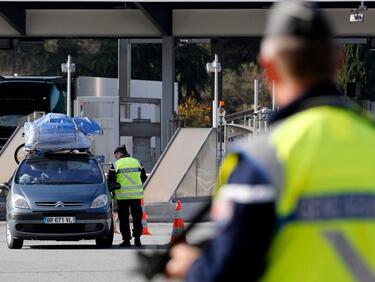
130,175
299,203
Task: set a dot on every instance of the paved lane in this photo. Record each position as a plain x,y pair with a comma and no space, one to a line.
81,261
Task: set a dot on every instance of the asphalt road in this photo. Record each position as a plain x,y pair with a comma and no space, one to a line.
81,261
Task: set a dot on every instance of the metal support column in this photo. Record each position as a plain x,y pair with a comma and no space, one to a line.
124,72
217,47
69,88
256,114
168,76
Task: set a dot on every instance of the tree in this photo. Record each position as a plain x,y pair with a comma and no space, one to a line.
191,73
358,66
238,91
146,61
98,58
353,67
241,51
194,114
93,57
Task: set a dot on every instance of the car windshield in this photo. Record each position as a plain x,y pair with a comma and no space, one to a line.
58,171
25,97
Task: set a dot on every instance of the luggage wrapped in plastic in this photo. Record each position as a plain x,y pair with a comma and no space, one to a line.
54,132
87,126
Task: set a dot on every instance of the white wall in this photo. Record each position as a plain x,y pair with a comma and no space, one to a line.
98,86
148,89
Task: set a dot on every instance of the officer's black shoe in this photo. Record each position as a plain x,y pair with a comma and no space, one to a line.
125,244
137,242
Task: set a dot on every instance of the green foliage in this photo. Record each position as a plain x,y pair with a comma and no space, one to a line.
93,57
238,91
358,66
353,66
191,73
98,58
237,52
146,61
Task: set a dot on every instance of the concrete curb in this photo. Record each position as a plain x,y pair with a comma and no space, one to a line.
165,212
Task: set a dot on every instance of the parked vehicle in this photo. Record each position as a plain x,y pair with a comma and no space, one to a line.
59,196
21,96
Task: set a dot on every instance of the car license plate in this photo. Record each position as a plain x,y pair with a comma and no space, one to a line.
59,220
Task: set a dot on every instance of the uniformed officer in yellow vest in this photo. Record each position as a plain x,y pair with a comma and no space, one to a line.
299,202
130,175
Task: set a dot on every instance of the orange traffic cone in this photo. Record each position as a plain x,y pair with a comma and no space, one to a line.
144,219
178,224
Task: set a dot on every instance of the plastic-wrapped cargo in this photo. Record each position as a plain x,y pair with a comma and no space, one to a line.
55,132
87,126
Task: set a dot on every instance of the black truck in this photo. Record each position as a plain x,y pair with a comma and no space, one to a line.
21,96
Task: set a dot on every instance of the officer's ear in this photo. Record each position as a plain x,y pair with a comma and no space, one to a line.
269,69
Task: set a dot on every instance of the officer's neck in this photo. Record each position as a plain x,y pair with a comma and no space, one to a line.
124,156
289,91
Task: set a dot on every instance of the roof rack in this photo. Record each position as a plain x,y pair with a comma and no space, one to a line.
32,153
70,151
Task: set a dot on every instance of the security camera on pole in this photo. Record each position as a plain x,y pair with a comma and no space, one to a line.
357,15
68,68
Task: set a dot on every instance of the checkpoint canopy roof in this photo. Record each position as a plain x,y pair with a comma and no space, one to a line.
129,19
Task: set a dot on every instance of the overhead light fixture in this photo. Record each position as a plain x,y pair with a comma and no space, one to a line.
357,15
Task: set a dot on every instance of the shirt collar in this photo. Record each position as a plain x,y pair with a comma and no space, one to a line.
322,94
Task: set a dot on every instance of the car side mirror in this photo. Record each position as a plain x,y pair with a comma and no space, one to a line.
4,189
4,186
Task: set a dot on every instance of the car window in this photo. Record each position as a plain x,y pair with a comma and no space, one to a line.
58,171
12,120
57,101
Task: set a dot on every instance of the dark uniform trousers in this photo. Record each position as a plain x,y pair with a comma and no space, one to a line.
135,207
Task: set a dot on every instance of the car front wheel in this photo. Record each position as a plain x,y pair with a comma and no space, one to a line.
12,243
106,243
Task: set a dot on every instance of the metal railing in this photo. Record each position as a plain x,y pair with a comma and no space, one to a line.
257,122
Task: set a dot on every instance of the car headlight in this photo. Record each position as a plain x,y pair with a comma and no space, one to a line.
20,202
100,201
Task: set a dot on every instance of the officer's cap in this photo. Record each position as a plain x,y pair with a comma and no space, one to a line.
300,19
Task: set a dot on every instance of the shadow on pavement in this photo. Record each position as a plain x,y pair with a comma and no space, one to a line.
93,247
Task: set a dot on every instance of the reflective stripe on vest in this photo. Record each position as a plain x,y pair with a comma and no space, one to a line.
129,177
124,170
326,205
346,206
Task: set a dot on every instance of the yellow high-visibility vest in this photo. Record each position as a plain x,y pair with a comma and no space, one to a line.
128,175
326,207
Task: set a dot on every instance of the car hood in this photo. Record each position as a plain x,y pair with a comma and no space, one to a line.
85,193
